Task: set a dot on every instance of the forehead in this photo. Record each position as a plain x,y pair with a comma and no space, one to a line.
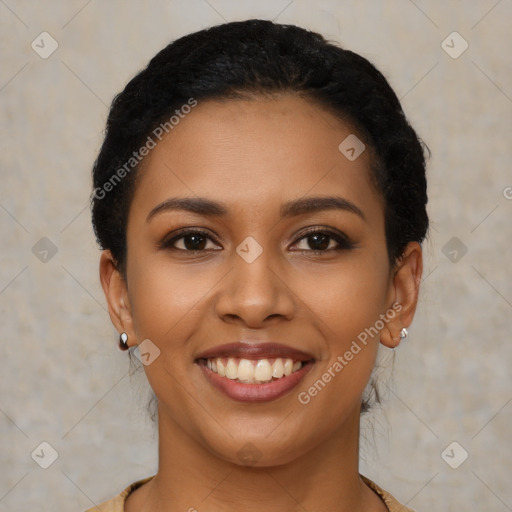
253,153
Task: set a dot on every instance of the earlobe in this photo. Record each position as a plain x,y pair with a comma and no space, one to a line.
406,284
116,294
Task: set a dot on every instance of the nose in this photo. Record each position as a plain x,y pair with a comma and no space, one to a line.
254,294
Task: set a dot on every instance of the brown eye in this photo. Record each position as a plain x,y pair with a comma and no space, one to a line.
189,241
322,241
193,242
319,241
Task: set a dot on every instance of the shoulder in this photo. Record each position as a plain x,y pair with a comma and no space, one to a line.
116,504
391,503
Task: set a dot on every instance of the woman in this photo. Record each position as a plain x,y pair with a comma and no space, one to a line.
260,200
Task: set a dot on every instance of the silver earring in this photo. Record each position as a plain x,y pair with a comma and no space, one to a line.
403,334
123,341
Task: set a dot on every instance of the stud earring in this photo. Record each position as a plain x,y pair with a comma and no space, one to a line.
403,335
123,341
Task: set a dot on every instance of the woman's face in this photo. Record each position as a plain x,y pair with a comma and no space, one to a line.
257,276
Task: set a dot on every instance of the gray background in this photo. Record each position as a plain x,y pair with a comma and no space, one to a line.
62,378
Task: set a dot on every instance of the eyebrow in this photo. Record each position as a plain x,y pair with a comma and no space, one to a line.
207,207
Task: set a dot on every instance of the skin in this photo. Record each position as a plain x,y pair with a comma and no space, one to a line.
253,156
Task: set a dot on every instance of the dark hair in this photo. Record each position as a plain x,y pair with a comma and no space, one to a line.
249,59
253,58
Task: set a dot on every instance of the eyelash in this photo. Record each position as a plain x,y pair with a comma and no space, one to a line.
342,240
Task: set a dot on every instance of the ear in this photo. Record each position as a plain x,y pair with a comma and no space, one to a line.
116,293
405,285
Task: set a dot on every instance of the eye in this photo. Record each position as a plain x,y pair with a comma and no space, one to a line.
320,241
189,240
316,241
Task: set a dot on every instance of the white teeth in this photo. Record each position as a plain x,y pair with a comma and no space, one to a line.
251,371
263,371
231,369
278,368
245,371
221,369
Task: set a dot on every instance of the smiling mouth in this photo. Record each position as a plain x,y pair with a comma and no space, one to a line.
252,371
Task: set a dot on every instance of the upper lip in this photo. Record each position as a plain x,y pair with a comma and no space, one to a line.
247,350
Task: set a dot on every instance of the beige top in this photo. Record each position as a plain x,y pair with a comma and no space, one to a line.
117,504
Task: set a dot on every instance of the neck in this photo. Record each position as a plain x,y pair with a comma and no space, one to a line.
192,478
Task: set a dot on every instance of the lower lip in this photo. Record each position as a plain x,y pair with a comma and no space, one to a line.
264,392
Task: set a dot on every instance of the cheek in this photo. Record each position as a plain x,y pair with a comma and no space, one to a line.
167,309
347,313
345,299
347,304
165,299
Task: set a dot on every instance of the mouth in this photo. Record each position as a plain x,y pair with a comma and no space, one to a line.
254,372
